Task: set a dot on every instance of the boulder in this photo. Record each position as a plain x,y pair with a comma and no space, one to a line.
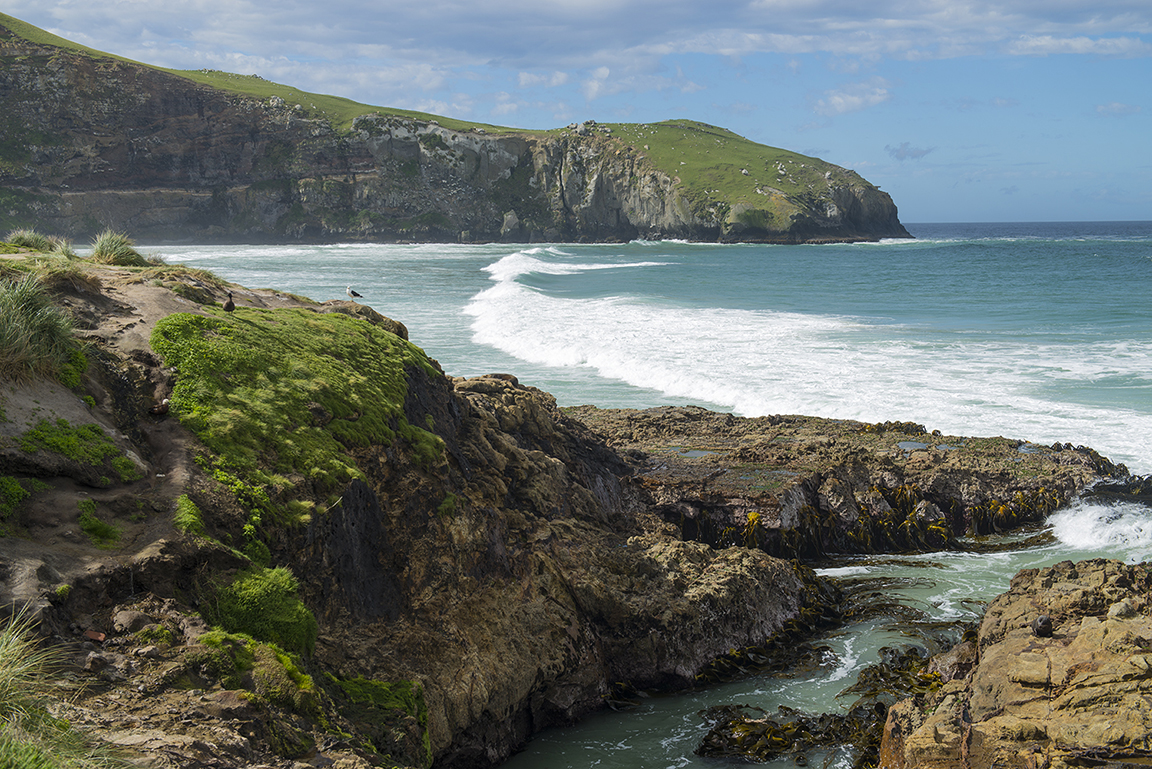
1080,695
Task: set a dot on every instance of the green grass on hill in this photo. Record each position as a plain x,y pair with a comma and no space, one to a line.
711,164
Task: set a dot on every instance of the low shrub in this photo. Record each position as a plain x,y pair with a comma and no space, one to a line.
26,238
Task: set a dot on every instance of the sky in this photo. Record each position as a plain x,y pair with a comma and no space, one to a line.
962,110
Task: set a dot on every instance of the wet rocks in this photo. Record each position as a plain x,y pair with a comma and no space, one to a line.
805,486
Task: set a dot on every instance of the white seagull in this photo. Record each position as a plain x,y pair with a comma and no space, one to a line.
352,294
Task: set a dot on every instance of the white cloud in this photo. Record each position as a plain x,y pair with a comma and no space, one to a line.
553,80
1117,109
905,151
1044,45
854,97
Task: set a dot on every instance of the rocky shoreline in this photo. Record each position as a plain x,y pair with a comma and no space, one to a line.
456,565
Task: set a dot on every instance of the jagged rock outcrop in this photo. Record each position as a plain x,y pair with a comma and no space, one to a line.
796,485
95,142
1073,692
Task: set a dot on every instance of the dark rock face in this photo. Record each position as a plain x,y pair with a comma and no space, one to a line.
98,143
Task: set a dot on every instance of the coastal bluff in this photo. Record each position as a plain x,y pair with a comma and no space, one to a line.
283,533
95,141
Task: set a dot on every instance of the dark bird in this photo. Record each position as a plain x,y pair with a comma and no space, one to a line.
229,306
160,409
352,294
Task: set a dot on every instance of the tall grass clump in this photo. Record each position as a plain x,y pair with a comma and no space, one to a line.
63,247
118,249
30,738
35,337
26,238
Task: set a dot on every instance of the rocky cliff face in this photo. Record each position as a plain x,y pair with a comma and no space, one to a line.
90,143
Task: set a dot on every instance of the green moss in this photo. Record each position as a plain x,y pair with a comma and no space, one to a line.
101,533
381,706
240,661
63,591
126,468
156,634
447,508
188,518
12,496
263,603
87,444
251,383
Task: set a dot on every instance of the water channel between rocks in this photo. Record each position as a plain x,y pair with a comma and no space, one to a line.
938,592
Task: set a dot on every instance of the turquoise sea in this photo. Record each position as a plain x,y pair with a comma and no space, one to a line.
1037,331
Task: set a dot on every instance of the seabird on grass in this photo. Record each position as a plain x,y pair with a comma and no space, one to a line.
229,306
352,294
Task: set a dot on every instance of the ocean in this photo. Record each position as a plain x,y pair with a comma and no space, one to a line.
1035,331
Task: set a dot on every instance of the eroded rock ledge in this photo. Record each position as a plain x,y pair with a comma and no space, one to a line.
799,486
1071,692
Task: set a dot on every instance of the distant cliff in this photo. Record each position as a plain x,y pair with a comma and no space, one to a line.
90,141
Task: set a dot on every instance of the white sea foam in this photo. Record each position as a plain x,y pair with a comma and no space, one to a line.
849,659
758,362
1120,530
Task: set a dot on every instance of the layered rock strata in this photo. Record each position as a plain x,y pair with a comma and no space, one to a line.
807,486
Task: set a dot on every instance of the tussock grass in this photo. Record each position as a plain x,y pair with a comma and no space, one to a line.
30,737
35,337
117,249
67,275
26,238
44,244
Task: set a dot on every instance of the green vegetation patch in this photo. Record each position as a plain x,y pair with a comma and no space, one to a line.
381,707
719,169
264,604
101,533
292,392
12,496
188,518
87,444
